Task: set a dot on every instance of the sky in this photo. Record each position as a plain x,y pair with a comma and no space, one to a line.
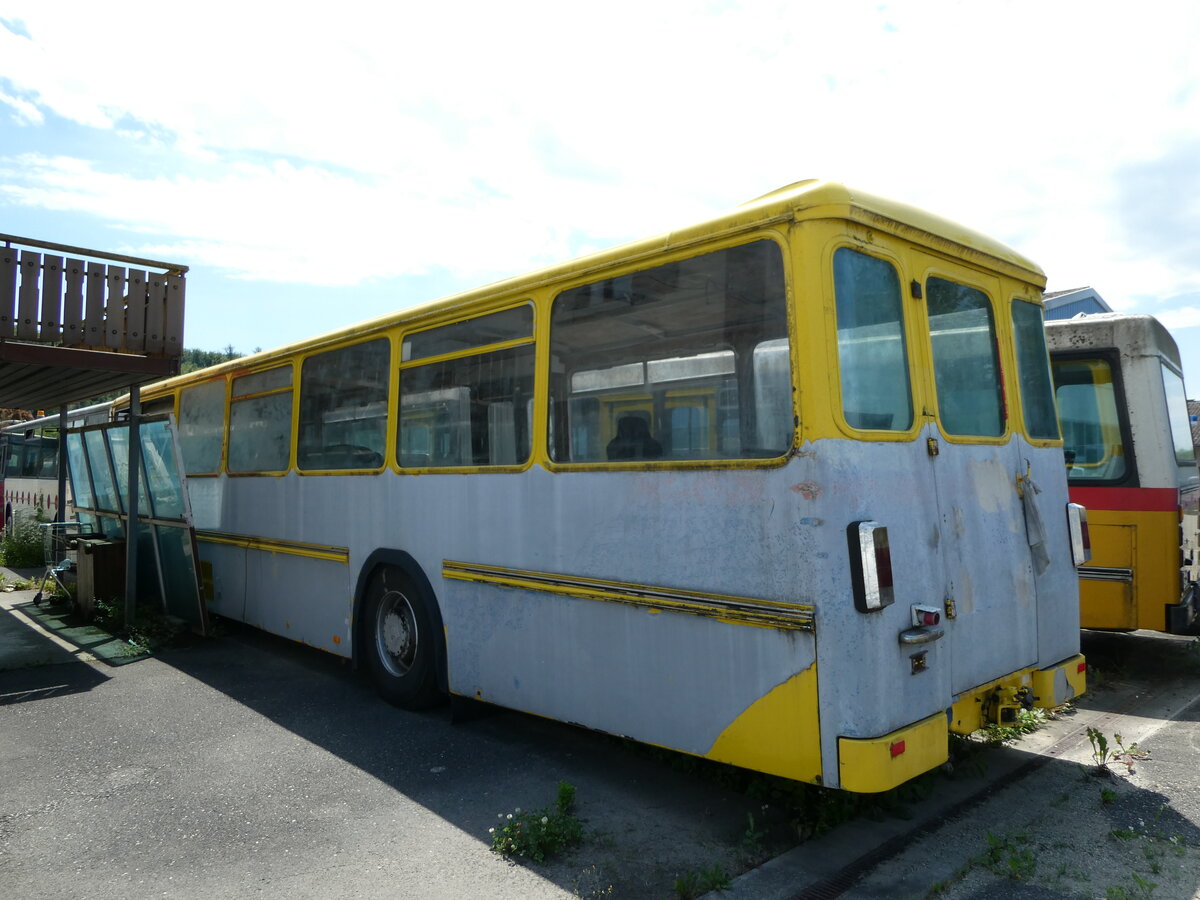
318,165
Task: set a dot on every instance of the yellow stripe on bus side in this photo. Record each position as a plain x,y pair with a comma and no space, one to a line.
292,548
725,607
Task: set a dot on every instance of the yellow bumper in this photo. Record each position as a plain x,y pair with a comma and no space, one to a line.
871,765
1049,687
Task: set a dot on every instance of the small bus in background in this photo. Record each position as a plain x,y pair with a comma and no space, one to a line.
1130,460
29,453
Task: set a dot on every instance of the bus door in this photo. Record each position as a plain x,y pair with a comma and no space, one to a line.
989,594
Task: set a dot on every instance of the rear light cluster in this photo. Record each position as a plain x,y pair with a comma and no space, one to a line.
1081,540
870,566
923,616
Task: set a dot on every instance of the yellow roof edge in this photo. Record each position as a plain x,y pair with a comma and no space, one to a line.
808,199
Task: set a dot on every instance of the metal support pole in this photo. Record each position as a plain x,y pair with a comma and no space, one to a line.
131,528
61,516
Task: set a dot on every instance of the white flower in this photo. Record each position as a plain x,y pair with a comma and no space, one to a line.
491,831
517,810
544,820
510,815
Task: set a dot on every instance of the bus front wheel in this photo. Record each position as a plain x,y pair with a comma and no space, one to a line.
400,635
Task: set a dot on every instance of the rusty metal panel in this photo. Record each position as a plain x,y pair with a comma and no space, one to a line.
94,321
173,327
114,308
50,330
72,319
27,305
135,312
8,291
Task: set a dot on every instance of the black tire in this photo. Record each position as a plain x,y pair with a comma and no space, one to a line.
398,634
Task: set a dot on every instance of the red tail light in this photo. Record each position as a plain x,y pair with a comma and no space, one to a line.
1081,539
870,566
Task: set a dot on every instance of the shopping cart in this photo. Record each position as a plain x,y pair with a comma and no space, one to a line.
60,548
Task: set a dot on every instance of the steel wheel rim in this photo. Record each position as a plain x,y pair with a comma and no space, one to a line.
396,633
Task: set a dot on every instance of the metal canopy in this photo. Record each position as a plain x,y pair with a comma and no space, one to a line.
78,323
34,376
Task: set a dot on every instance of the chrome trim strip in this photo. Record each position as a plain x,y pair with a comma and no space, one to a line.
1103,573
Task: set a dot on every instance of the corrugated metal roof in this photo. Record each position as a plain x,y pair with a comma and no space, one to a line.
1074,308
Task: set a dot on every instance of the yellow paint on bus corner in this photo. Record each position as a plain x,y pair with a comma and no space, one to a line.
1056,685
779,733
871,765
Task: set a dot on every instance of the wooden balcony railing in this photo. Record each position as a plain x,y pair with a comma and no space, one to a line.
87,299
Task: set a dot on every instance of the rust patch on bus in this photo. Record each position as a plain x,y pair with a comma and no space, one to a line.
809,490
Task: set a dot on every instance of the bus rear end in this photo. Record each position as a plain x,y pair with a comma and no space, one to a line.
933,465
1130,460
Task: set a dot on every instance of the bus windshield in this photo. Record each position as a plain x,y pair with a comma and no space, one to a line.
1091,425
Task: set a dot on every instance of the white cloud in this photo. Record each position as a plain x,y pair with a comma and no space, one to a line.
1180,317
26,112
375,140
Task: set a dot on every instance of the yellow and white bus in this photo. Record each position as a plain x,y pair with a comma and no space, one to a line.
1130,461
781,489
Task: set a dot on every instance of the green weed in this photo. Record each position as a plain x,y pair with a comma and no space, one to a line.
539,833
1104,753
690,885
1141,890
21,546
1027,721
1007,855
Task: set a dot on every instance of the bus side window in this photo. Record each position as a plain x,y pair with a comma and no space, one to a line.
260,421
343,407
466,392
202,427
1177,415
693,352
872,354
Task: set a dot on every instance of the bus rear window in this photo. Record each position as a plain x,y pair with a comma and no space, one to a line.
872,355
685,361
1033,371
1091,424
966,369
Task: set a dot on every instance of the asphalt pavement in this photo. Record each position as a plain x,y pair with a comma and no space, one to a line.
248,766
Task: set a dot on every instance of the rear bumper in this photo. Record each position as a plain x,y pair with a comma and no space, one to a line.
871,765
1045,688
1182,616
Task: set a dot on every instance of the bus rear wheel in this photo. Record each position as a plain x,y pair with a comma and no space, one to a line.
399,641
